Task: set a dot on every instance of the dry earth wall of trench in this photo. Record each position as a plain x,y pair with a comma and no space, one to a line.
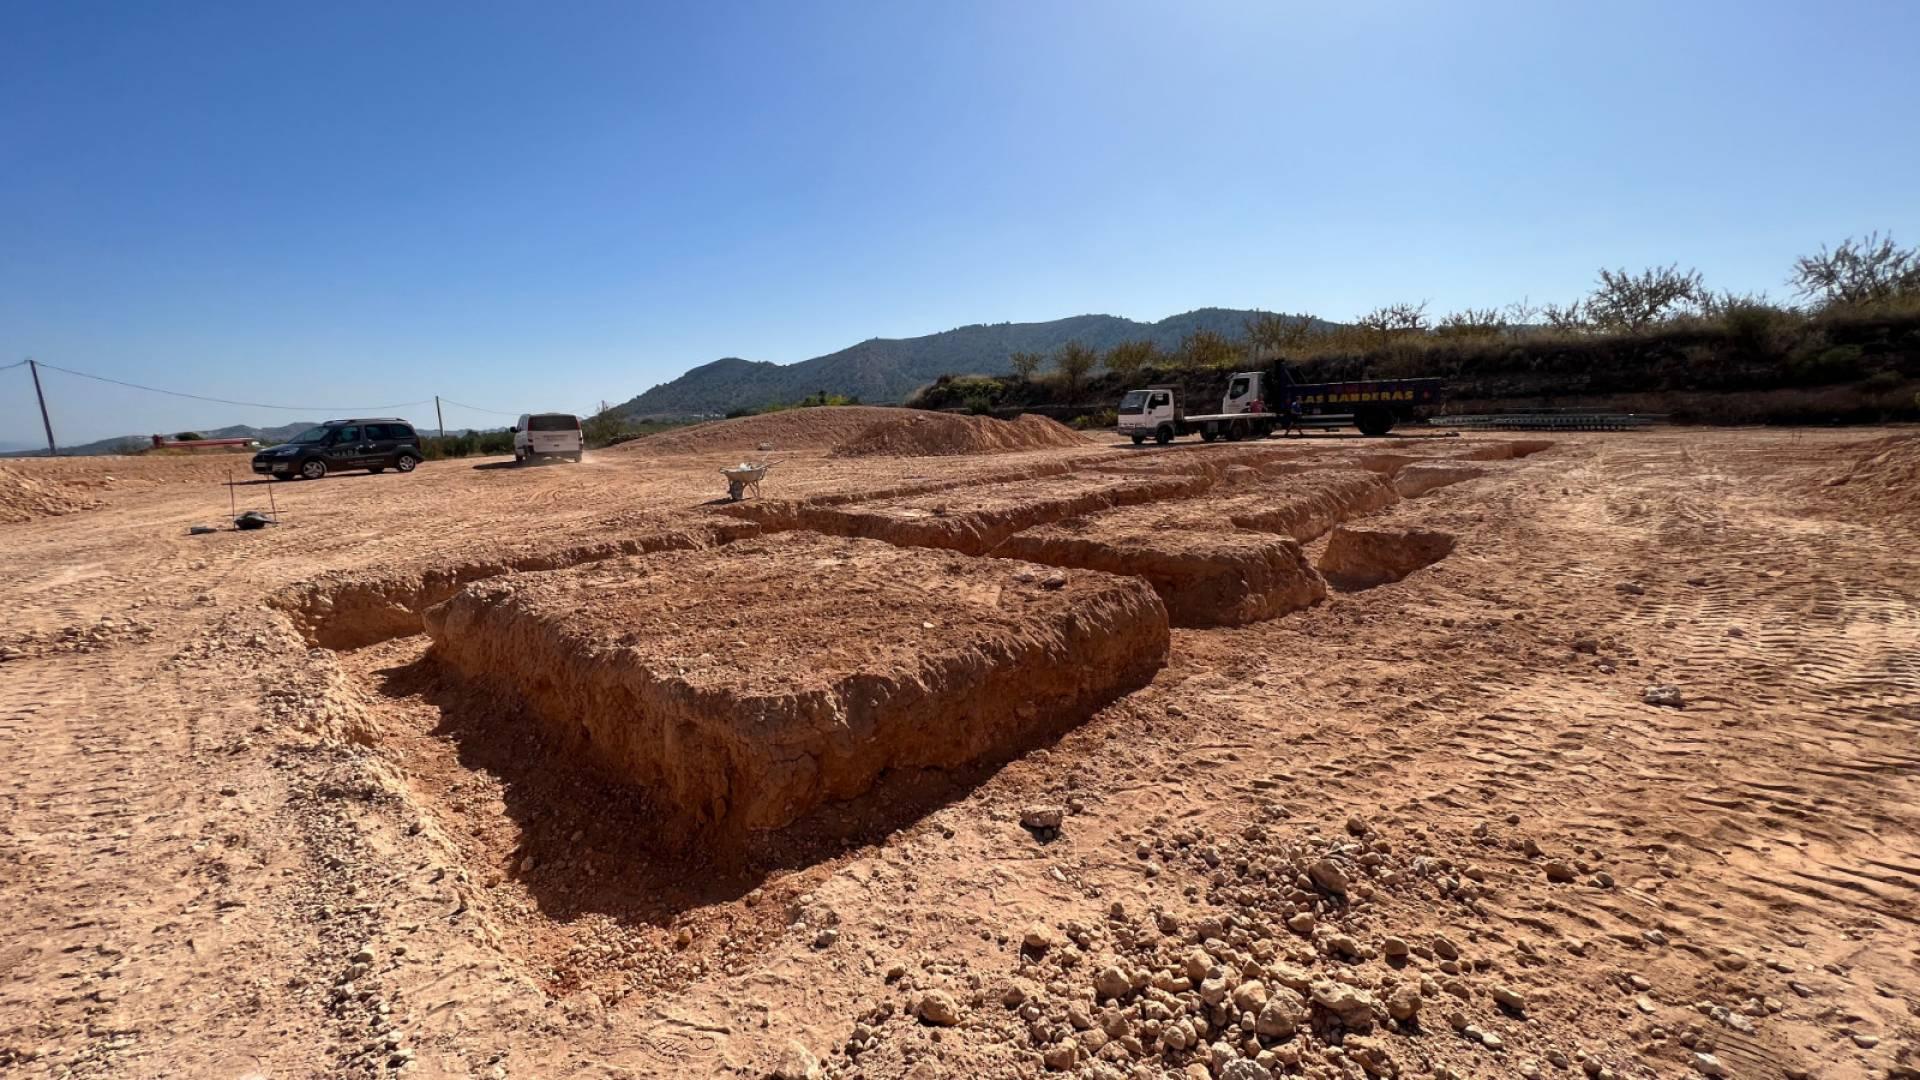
1206,577
758,740
354,609
975,519
1365,557
1222,561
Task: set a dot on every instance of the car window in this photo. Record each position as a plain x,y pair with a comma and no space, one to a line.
346,434
552,422
1239,388
1159,400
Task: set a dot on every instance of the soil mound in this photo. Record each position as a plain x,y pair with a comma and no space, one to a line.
817,428
25,498
749,684
1882,475
944,434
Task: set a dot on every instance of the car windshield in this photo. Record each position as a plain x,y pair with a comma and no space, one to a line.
1134,402
552,422
311,435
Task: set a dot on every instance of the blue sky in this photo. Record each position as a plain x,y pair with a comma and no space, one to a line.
527,206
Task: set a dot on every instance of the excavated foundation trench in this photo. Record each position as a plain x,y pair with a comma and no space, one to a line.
748,685
974,519
1363,557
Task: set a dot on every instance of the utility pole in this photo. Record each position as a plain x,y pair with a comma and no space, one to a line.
441,420
52,450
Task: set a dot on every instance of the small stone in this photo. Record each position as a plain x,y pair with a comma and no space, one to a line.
827,936
1403,1004
938,1008
1444,948
1394,948
1113,983
1037,818
1301,923
1560,873
1509,998
1328,876
1708,1065
1865,1041
1654,937
1039,938
1664,696
797,1063
1061,1056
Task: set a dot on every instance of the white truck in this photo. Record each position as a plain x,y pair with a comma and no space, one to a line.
1258,403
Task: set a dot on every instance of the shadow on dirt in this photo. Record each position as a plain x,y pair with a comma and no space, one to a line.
581,842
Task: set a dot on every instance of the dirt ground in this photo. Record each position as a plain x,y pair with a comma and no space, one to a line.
1626,784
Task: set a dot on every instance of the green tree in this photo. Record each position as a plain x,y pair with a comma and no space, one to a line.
1472,323
1207,350
1858,272
1629,303
1074,361
1127,358
1025,364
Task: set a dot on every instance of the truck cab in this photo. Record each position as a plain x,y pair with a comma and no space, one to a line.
1246,393
1154,412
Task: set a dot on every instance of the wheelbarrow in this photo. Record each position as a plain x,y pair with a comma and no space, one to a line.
745,478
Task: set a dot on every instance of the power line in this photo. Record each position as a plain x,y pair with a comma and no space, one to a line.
15,364
226,401
475,408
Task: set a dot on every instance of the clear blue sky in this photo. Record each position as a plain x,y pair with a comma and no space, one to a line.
542,205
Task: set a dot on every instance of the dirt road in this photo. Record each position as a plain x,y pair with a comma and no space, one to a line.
228,852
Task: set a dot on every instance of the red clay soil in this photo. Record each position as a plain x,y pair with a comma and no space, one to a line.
972,519
790,429
1363,557
1205,575
350,610
1881,477
928,434
1504,450
1423,476
747,685
1304,505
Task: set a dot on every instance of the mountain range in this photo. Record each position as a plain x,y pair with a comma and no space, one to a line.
122,444
886,370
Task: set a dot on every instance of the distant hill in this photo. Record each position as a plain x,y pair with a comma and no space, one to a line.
886,370
126,444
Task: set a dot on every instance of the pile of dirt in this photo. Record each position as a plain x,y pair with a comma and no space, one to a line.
1361,558
749,684
1882,475
26,498
816,428
944,434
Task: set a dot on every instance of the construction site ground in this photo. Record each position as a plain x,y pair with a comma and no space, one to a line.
1627,784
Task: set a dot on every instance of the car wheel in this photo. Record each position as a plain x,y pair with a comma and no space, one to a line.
405,463
313,469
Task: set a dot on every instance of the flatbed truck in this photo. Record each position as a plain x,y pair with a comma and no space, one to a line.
1259,403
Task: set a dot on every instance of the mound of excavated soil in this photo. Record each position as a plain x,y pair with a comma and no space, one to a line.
352,610
747,684
1207,576
1361,558
793,429
1882,476
25,498
971,519
942,434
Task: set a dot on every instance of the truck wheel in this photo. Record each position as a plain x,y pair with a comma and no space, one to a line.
1138,438
1207,434
1373,422
1236,431
1164,435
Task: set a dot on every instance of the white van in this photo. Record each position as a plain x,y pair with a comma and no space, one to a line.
548,434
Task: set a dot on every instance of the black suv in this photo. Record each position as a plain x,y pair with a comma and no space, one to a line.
375,445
